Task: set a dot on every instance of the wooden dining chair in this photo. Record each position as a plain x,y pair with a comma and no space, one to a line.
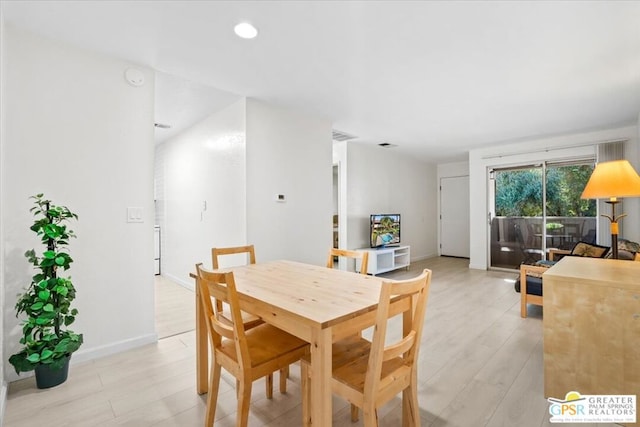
250,253
363,256
369,374
249,319
246,354
248,250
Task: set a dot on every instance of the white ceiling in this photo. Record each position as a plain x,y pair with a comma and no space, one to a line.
435,78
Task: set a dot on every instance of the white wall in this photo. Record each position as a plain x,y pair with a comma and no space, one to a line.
288,153
380,180
561,147
3,383
450,170
76,131
203,165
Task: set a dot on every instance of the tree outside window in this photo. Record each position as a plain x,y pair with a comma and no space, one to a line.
519,192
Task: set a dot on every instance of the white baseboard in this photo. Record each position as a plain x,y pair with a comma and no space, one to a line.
478,266
109,349
186,284
423,257
3,400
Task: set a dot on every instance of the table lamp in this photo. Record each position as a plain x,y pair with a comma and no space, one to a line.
611,180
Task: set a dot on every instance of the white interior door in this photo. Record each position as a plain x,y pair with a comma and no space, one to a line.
454,216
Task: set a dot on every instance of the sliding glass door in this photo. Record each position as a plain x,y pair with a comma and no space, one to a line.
517,215
568,218
537,207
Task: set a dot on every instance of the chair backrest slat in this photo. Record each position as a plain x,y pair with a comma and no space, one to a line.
363,256
400,347
216,253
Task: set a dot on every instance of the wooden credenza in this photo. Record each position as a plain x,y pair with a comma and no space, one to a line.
592,327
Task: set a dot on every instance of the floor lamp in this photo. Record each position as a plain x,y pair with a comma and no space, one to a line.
611,180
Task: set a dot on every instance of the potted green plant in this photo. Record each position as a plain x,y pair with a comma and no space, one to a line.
47,344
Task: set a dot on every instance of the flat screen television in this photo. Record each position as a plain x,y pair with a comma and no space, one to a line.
384,230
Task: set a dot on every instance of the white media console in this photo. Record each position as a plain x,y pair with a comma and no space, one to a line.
386,259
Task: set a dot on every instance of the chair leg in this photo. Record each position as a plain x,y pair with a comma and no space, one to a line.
305,383
269,386
212,398
284,374
369,416
523,294
354,413
244,399
410,409
354,409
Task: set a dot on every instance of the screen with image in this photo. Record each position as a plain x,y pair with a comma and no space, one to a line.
384,230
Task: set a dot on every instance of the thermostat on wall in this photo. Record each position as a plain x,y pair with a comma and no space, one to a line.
280,198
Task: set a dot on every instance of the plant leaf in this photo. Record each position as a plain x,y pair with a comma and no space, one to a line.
62,290
33,358
42,321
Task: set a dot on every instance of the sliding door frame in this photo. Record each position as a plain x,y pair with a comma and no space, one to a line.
544,166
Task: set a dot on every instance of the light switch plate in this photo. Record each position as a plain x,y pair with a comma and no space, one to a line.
134,214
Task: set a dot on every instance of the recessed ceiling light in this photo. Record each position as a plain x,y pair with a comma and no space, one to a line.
245,30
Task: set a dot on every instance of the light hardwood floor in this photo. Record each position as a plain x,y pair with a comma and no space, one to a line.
480,365
175,310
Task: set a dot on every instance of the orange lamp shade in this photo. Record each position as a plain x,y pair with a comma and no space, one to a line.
612,179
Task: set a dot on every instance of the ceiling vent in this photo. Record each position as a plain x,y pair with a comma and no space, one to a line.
342,136
387,145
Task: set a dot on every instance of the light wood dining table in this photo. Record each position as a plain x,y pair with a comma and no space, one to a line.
317,304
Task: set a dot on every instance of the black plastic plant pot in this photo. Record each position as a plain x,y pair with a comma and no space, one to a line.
47,377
